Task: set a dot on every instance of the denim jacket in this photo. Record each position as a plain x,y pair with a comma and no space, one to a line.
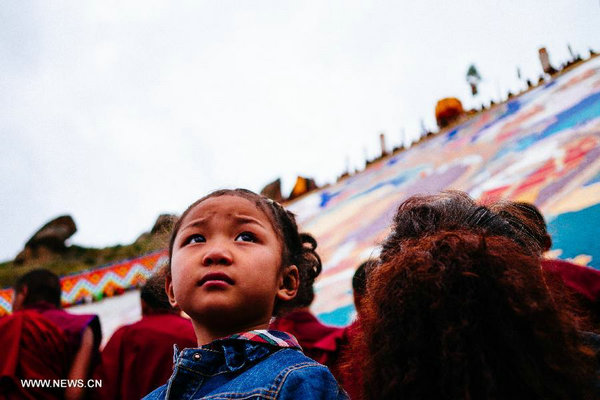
252,365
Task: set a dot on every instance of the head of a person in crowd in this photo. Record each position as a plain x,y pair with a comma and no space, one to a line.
421,215
458,308
527,220
359,282
264,265
153,297
36,286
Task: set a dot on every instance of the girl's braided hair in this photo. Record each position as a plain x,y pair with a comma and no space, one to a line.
298,248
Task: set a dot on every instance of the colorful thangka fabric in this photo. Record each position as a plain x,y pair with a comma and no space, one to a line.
541,147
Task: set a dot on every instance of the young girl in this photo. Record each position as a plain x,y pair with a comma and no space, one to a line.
236,259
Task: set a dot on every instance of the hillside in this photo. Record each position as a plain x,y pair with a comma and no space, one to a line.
78,259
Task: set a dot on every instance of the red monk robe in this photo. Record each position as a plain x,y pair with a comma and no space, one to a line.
72,325
343,363
583,280
138,358
310,333
32,348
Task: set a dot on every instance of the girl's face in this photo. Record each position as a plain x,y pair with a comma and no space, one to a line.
226,265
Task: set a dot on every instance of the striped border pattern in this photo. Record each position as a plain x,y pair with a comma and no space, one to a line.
110,280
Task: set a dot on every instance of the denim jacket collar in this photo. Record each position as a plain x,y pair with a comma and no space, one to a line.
234,351
256,364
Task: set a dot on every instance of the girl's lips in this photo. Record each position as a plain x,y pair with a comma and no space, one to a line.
218,278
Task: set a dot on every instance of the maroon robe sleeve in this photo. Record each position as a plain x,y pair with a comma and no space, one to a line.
11,328
38,350
73,325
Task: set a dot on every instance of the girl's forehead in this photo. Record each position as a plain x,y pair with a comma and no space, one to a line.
227,205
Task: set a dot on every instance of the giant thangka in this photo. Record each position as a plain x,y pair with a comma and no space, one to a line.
542,147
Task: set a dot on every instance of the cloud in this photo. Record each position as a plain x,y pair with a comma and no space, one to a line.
116,112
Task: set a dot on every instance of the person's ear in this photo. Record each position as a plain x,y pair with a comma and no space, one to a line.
289,280
20,297
169,290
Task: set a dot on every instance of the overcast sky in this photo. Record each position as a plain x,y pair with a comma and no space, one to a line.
114,112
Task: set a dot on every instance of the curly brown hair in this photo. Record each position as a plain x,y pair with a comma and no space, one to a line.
528,221
458,309
422,215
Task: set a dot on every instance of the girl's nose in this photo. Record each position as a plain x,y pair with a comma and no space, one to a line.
217,255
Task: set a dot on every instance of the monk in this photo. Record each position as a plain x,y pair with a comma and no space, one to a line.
138,358
38,319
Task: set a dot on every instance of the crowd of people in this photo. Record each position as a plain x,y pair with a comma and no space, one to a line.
459,304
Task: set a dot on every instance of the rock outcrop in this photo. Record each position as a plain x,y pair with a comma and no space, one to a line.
164,223
161,229
49,240
273,190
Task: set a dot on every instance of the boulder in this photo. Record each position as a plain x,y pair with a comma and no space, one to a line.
54,234
161,229
164,223
48,240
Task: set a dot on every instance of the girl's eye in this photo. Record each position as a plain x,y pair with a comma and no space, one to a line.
246,237
196,238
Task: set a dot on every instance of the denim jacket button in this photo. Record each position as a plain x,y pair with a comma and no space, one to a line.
197,356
